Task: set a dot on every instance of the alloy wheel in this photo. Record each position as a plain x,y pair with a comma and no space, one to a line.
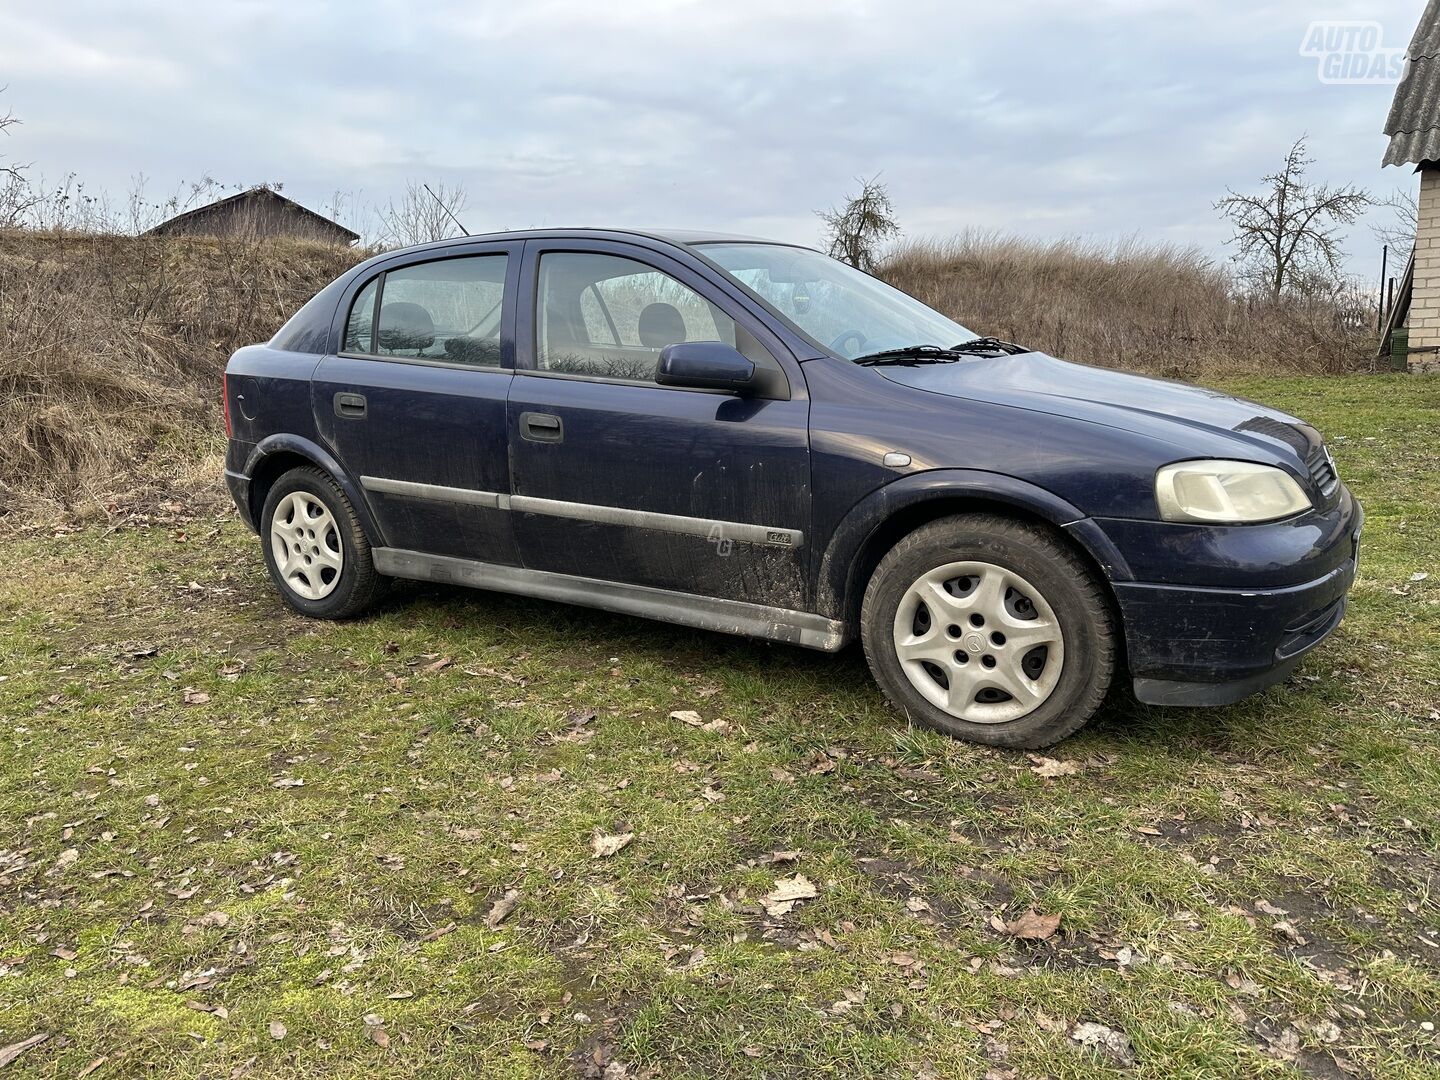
979,642
305,542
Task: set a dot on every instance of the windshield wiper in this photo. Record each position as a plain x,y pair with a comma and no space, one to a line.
934,354
910,354
989,345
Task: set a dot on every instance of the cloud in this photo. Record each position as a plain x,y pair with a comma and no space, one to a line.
1110,119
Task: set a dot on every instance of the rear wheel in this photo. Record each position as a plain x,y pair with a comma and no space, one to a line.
315,548
989,630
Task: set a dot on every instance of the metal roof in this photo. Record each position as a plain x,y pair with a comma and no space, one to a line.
1414,122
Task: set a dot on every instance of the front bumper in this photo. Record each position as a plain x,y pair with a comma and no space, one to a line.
1192,644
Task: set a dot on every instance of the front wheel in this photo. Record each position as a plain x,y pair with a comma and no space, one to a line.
990,630
315,548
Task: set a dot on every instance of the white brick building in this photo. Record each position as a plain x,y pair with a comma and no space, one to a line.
1414,130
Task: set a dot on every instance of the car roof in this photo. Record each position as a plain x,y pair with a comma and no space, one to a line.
682,237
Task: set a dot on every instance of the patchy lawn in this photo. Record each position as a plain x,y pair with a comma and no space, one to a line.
233,840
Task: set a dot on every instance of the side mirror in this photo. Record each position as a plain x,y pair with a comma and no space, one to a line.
705,365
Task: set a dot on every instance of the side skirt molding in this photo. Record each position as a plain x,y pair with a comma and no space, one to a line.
710,528
687,609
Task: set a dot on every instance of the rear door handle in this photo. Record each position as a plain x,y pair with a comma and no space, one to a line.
541,427
350,406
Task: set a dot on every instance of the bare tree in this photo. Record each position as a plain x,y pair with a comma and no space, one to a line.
142,214
424,213
1399,232
1290,230
855,231
17,195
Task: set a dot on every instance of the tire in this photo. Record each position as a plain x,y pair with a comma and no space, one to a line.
1045,631
329,573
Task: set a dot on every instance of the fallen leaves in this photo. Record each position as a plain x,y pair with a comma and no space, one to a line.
287,782
212,919
1047,768
375,1030
1106,1041
14,1050
820,764
603,845
1031,926
776,858
695,720
501,909
787,893
1287,930
195,697
494,673
1283,1044
277,1030
66,858
1243,985
578,718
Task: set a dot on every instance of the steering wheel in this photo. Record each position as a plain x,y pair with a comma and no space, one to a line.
838,345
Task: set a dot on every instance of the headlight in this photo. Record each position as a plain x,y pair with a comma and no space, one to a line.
1236,492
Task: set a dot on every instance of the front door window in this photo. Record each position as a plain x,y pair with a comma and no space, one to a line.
607,316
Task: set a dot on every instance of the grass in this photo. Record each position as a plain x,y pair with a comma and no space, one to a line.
161,708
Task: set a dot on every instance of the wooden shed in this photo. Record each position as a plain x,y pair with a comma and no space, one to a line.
260,211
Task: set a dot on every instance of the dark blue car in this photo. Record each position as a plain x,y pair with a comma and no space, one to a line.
753,438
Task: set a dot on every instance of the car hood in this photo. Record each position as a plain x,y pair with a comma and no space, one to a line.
1196,420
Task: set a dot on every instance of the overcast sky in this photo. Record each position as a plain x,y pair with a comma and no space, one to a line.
1045,117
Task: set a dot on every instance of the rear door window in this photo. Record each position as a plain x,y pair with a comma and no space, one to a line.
447,310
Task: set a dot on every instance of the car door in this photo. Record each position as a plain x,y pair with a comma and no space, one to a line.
414,401
618,478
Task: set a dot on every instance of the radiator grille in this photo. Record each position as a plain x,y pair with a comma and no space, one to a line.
1322,471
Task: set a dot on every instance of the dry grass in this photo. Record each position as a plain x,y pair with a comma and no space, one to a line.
111,350
1155,308
111,347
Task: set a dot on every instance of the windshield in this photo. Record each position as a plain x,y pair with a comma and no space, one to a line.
853,313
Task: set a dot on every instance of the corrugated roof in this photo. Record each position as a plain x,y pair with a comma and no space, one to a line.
1426,41
1414,121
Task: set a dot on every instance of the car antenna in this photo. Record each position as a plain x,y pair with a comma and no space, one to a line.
447,210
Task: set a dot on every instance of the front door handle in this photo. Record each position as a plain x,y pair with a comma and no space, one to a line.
541,427
350,406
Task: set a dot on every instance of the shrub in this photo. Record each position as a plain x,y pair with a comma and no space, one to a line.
1154,308
111,350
